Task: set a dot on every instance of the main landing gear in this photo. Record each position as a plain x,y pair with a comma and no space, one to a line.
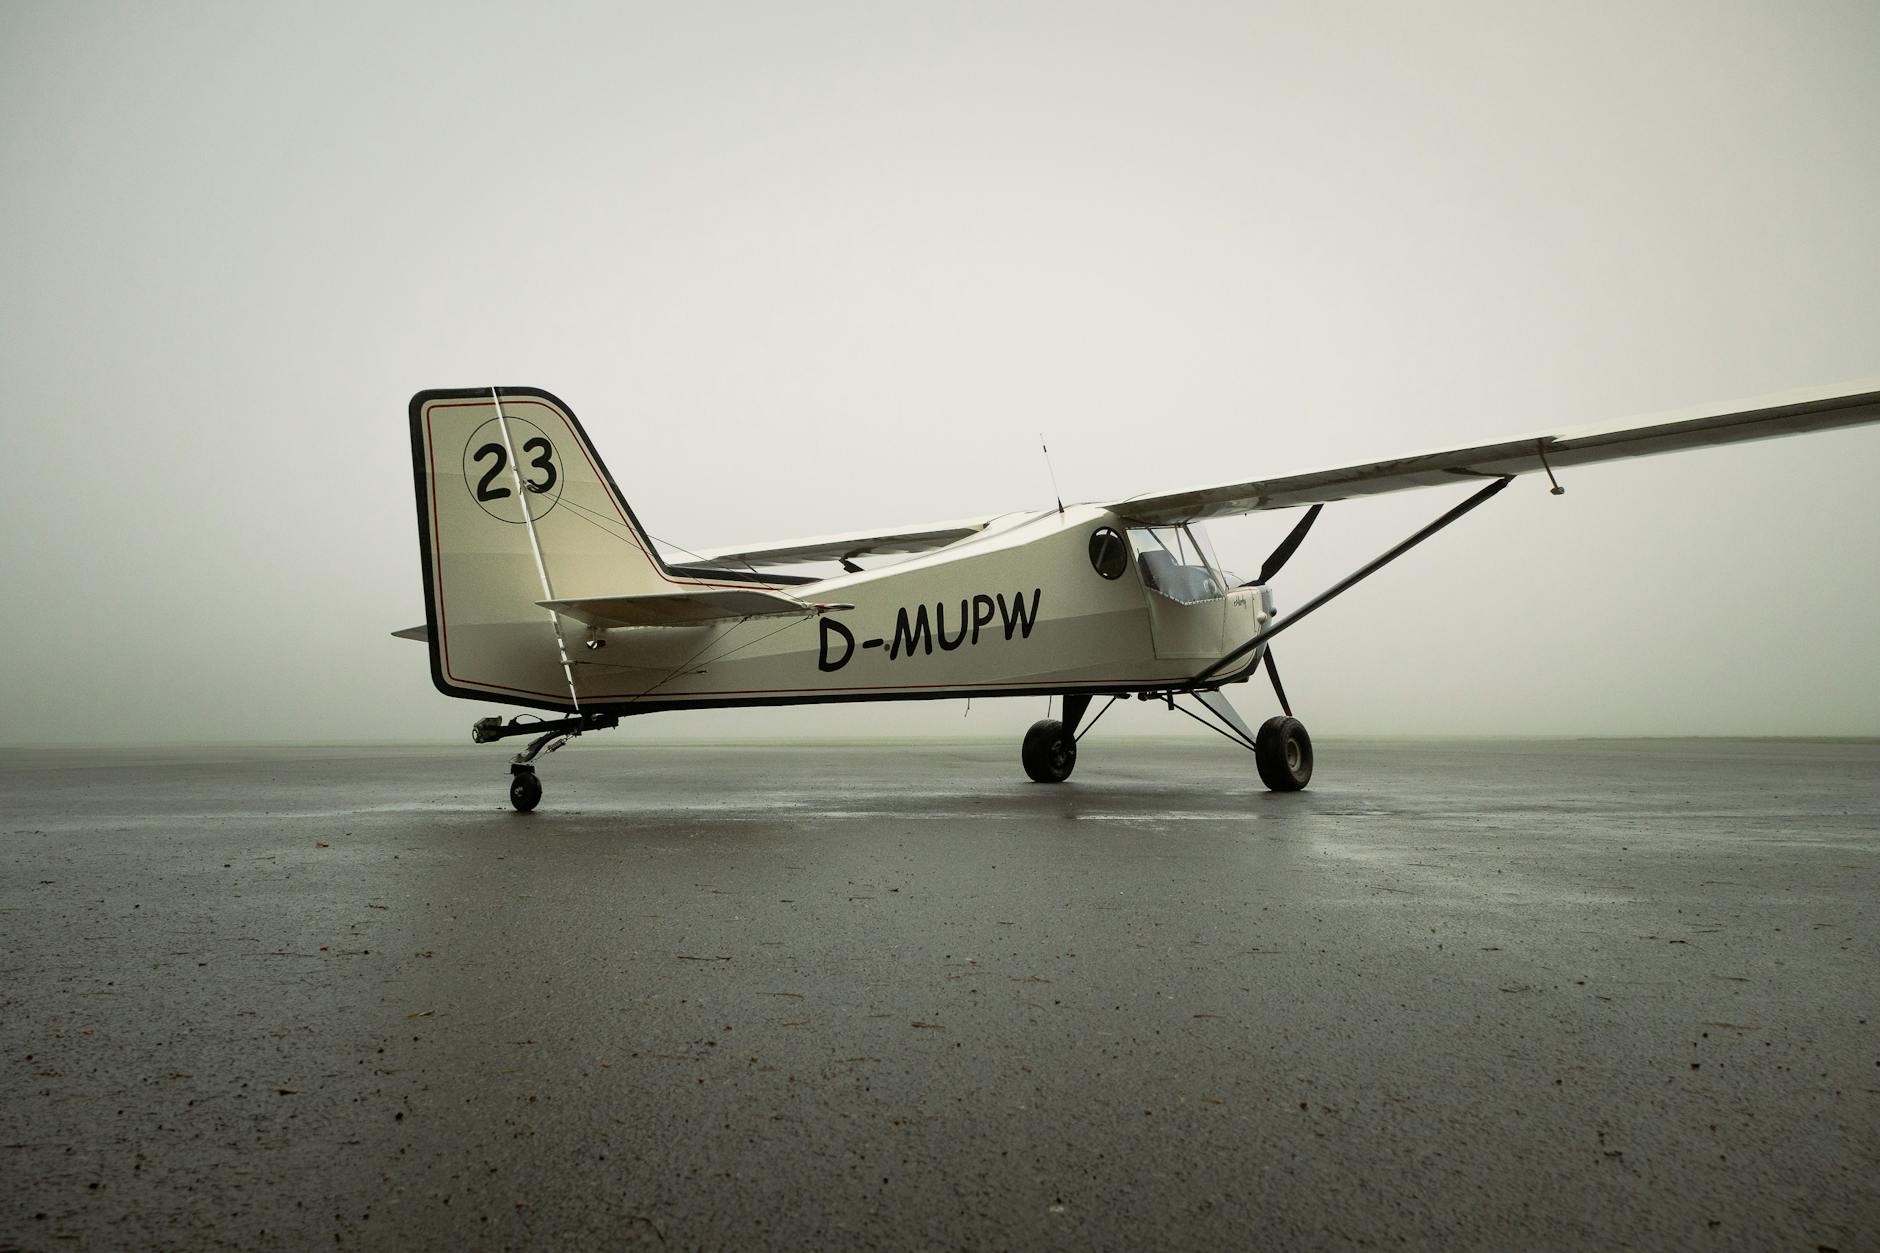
1282,751
1050,748
525,789
1049,752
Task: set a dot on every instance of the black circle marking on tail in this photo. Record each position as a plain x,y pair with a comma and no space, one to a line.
492,483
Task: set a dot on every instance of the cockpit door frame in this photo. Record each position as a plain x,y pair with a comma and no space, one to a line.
1173,568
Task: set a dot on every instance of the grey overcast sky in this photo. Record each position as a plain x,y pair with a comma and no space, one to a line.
815,267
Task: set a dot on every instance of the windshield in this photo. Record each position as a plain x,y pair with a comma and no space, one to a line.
1176,563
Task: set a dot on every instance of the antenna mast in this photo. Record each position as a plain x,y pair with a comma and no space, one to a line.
1052,472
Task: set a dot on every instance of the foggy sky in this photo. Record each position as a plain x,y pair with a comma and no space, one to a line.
812,268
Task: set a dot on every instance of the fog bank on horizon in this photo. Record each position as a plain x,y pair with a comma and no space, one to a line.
832,267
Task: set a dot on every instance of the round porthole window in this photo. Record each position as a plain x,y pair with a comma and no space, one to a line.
1109,556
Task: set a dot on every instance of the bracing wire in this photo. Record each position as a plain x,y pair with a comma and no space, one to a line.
595,518
535,546
608,526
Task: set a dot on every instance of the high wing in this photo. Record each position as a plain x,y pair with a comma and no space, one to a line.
918,539
1515,456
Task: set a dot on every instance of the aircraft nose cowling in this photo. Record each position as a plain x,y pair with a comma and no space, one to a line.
1249,611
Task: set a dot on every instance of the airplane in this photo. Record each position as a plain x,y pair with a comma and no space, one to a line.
543,589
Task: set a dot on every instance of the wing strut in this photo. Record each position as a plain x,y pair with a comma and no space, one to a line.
1349,581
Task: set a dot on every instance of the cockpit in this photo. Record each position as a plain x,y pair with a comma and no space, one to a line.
1178,562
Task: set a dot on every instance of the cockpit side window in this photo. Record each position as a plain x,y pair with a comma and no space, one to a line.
1173,564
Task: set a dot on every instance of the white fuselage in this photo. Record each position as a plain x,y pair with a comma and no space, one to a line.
524,570
1019,608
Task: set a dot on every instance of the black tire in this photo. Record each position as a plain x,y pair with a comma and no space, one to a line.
1049,753
1283,752
525,791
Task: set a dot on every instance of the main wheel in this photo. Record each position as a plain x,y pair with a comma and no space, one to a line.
1283,751
1049,753
525,790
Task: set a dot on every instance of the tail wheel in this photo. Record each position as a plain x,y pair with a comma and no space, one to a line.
1283,751
525,790
1049,752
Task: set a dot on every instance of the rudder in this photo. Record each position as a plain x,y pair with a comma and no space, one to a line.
489,637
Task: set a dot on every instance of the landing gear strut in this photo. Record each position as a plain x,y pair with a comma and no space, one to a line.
1282,751
525,790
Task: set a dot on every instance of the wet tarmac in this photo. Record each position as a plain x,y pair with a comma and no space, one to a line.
1460,995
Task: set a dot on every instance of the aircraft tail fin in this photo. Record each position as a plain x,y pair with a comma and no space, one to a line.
515,508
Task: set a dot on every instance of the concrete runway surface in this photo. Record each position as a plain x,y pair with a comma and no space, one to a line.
1484,995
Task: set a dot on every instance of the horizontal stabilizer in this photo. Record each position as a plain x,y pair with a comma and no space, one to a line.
422,634
680,608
